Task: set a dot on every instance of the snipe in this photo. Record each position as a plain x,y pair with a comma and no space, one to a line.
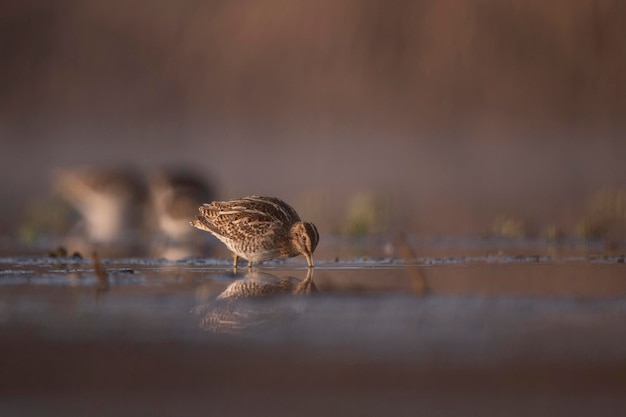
258,229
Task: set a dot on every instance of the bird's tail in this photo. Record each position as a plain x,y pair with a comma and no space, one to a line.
202,224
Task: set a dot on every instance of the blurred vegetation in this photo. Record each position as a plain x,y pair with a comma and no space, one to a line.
553,232
605,215
368,213
508,226
49,216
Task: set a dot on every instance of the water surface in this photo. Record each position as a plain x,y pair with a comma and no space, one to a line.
497,333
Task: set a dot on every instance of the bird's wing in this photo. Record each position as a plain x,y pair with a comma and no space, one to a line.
237,220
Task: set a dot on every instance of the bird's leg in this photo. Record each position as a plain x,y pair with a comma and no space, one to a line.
249,265
235,259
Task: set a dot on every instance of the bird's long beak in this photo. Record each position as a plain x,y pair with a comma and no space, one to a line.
309,259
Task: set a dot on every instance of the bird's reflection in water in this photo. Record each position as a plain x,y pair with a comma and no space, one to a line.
244,303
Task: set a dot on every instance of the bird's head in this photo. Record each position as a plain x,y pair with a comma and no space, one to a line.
304,238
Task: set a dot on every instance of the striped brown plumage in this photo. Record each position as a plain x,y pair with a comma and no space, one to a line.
258,228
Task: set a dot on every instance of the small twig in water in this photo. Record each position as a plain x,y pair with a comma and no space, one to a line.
101,274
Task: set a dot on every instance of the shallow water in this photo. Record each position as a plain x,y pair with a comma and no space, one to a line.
502,333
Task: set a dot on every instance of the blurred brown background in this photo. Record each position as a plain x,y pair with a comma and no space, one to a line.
440,117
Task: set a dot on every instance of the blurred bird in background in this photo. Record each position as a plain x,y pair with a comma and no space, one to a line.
126,213
175,195
111,203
